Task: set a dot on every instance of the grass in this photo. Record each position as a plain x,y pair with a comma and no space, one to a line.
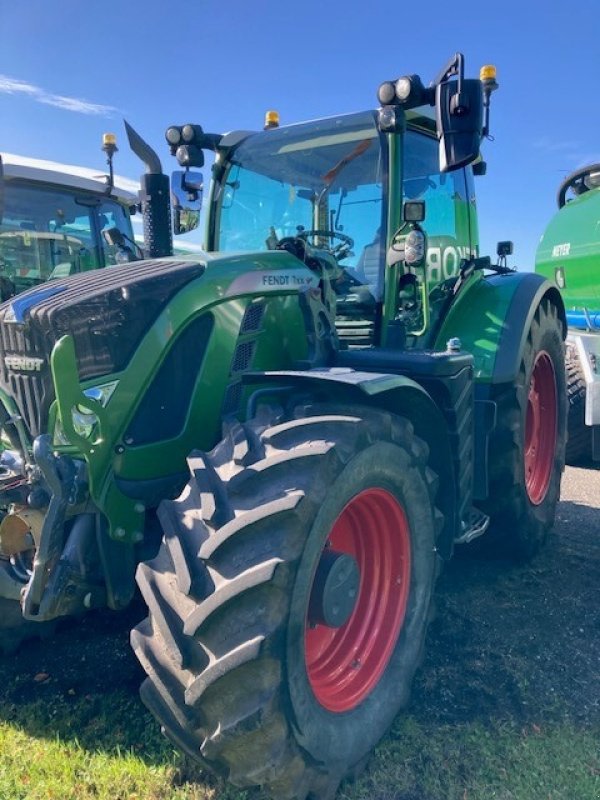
109,749
93,748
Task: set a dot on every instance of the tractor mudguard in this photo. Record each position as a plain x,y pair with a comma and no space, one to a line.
394,393
492,315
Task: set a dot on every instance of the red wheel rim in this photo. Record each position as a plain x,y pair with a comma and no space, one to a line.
345,664
540,428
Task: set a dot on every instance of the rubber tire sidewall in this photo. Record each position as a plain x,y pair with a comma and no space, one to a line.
550,341
518,527
346,737
579,439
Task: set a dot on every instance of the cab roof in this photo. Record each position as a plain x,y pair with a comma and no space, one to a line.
51,172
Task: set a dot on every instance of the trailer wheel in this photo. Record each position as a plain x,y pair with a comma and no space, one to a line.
579,437
290,597
527,449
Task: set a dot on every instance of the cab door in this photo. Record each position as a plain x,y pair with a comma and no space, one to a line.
449,214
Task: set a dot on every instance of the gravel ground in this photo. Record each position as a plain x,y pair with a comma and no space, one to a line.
522,642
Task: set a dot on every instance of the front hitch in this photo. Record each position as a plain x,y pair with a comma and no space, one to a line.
59,474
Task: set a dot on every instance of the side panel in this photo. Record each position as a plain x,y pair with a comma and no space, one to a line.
571,244
255,321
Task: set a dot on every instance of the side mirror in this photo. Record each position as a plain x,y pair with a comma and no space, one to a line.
186,199
113,237
459,118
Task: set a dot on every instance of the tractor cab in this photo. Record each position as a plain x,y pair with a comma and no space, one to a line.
332,193
326,190
55,222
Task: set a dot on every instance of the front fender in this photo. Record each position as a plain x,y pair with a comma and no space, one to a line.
397,394
492,316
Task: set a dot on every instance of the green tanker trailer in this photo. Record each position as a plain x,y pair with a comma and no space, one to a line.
569,255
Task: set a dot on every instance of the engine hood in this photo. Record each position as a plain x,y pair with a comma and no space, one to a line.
107,312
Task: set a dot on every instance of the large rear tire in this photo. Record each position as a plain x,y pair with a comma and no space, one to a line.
527,448
290,597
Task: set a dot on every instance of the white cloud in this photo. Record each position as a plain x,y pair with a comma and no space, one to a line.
548,145
10,85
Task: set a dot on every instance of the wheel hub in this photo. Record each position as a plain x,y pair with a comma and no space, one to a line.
358,600
540,428
335,589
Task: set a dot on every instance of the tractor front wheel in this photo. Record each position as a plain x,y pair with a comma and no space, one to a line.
290,598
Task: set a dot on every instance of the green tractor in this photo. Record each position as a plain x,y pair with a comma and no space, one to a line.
284,439
57,220
568,256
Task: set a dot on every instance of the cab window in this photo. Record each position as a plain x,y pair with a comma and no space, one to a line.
446,205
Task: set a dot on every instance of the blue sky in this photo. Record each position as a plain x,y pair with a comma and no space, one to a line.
71,70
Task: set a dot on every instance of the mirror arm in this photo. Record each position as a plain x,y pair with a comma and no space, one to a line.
455,66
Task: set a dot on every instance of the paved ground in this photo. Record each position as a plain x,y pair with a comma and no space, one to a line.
582,486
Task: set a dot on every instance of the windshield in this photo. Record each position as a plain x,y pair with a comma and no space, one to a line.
325,175
51,233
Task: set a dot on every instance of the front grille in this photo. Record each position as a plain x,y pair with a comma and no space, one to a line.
31,391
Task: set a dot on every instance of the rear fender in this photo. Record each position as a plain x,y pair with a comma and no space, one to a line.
492,315
394,393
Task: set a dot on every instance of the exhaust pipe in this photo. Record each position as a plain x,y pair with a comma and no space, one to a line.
154,198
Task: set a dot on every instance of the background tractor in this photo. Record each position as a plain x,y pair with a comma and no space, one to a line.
288,435
568,255
58,220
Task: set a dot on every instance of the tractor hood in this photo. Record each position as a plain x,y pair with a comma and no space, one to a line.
107,314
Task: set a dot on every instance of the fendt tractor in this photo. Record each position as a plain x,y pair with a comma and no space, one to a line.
60,219
568,255
284,438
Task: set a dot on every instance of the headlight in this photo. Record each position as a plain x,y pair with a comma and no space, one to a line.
84,419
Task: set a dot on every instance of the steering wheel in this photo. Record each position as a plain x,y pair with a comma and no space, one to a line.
338,251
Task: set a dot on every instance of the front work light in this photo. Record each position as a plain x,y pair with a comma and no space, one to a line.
386,93
173,136
410,91
407,91
192,134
